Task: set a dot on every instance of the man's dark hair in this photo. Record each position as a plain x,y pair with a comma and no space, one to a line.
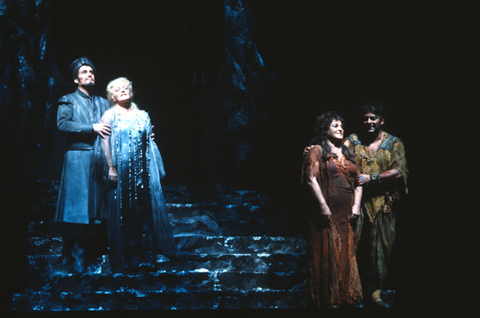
374,108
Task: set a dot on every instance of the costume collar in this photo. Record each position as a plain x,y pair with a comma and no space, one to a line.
79,92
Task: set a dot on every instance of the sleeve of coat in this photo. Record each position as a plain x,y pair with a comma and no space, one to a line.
65,122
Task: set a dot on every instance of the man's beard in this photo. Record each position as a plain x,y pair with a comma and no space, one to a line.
89,84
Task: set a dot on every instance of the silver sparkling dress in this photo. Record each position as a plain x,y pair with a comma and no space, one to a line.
137,218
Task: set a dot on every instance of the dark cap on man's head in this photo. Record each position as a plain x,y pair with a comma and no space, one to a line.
75,66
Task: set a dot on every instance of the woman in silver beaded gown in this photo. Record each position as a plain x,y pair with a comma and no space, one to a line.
137,218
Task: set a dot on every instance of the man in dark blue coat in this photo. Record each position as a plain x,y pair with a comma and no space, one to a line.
80,200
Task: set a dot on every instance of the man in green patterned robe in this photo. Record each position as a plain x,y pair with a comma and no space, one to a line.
383,166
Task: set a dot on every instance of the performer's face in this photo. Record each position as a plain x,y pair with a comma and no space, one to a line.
121,93
336,130
372,123
86,76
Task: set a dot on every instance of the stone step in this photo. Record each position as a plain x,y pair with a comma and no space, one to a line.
215,219
239,251
207,210
212,194
135,300
239,263
231,219
47,194
219,245
199,244
196,280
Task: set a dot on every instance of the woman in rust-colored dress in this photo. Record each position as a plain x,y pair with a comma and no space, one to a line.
330,173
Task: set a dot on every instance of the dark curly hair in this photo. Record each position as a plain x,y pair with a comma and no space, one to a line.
374,108
320,135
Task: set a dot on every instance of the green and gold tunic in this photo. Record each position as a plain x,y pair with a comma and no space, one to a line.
389,155
380,204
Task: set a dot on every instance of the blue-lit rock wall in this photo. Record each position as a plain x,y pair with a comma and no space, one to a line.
29,80
29,85
245,90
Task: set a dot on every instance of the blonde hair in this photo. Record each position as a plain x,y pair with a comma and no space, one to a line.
117,82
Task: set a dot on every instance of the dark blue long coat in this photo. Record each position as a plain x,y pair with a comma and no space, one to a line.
80,198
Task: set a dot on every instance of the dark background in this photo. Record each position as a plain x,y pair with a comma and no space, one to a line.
419,59
414,58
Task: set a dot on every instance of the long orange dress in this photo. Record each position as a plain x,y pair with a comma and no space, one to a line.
333,278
